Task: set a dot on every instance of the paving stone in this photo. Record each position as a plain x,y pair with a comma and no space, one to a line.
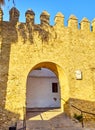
61,122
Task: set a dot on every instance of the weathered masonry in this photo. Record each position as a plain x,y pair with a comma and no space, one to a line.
69,52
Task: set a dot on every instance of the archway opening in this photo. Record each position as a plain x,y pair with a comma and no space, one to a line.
47,86
43,89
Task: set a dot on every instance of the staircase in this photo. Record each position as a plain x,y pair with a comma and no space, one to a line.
51,120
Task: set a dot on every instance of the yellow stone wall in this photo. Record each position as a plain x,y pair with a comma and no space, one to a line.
62,49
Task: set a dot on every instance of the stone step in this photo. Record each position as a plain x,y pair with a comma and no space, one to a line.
43,109
51,121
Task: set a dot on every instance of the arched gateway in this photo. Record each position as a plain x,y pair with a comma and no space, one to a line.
47,86
69,52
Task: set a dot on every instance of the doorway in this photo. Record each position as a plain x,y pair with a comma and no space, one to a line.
43,89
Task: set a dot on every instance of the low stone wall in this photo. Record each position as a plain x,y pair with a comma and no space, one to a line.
86,106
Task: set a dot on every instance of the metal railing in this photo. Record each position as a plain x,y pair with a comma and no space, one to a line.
81,111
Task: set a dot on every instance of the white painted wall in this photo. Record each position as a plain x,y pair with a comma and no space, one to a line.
39,89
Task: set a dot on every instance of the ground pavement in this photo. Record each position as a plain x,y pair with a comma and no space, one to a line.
53,121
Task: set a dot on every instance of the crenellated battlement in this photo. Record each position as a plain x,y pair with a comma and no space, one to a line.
30,31
84,24
69,51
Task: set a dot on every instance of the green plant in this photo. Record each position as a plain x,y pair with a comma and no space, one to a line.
78,117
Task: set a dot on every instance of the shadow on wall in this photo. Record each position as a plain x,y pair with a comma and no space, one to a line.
9,32
6,117
76,106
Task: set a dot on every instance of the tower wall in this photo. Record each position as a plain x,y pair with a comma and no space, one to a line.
24,45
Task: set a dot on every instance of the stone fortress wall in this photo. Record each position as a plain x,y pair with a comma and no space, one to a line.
69,51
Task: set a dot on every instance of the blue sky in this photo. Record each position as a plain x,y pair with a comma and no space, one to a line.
80,8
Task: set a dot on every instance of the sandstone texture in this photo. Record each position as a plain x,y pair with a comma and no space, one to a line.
62,49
